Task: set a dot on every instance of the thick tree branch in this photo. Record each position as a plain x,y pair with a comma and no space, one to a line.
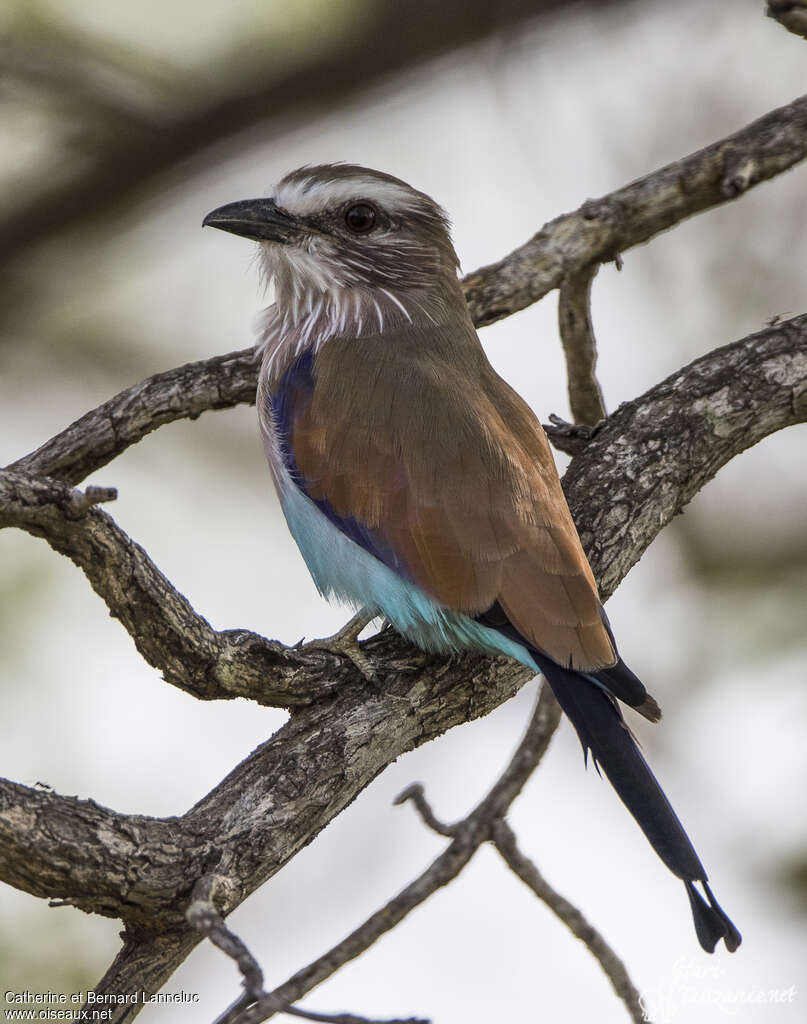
82,853
604,228
144,963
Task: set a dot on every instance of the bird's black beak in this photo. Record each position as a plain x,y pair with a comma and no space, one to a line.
258,219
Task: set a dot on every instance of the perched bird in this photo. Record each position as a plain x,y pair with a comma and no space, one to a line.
417,484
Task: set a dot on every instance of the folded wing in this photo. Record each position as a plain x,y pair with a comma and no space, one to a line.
445,474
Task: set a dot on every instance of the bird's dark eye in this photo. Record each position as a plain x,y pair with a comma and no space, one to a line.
360,218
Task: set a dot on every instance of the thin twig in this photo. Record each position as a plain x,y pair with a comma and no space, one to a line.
580,346
503,838
244,1009
350,1018
205,918
505,842
203,915
440,872
416,794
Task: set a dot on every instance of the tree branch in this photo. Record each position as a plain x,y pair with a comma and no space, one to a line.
580,346
96,438
614,969
168,633
203,915
604,228
82,853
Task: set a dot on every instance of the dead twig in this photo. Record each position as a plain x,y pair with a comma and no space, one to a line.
505,842
203,915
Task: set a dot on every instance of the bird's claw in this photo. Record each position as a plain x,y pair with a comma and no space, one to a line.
345,642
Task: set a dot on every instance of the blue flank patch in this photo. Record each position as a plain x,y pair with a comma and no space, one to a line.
354,562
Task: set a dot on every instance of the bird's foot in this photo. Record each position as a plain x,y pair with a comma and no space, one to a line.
346,641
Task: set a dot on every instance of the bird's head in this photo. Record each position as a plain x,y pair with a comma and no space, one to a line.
340,226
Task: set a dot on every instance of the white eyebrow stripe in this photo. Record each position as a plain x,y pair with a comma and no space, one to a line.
305,196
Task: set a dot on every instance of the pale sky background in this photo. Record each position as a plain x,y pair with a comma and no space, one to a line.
506,136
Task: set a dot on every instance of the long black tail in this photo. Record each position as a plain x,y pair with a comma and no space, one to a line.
602,731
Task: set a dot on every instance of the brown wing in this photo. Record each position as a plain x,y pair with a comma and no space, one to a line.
425,444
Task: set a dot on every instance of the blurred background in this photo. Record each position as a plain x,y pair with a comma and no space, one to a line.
121,125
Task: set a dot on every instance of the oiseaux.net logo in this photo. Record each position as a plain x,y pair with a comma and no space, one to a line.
80,1006
692,983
